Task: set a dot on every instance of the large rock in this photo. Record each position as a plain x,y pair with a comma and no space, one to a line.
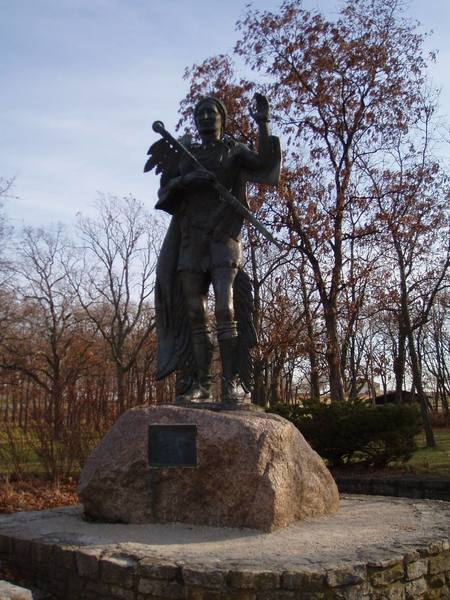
254,470
9,591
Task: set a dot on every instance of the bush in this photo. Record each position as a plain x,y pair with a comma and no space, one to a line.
35,451
63,457
352,431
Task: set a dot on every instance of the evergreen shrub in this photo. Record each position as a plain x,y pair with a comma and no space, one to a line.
354,432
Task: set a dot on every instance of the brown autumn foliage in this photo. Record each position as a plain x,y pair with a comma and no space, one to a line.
342,92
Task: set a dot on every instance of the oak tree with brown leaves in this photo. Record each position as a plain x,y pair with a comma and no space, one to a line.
341,90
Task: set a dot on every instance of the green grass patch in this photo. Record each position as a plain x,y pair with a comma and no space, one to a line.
431,461
36,453
17,454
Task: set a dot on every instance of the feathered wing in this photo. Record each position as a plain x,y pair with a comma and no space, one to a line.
175,351
174,345
186,364
243,307
164,159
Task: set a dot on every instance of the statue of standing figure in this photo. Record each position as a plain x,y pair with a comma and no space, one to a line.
203,246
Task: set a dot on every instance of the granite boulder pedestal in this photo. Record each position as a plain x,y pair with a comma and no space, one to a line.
253,470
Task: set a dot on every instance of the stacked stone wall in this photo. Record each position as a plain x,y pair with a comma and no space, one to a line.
401,487
96,573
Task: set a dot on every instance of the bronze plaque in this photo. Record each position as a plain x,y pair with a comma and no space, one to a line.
172,445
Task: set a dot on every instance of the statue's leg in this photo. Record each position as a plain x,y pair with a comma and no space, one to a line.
227,334
195,287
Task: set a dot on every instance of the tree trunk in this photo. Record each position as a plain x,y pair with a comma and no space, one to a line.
417,379
258,394
405,321
399,362
312,352
314,377
276,386
56,400
121,393
333,356
353,371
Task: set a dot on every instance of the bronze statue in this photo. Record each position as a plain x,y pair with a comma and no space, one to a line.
203,185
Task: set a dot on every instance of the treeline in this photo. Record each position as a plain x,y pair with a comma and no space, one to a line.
358,292
291,359
77,342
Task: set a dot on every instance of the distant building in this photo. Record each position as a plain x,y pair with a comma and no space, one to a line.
389,398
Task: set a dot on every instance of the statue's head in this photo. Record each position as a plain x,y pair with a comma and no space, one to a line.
210,116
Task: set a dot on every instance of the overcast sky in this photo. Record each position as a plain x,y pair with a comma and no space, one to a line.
81,82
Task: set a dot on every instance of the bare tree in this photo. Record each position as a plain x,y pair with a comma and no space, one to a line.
412,194
5,231
313,328
116,281
41,327
435,351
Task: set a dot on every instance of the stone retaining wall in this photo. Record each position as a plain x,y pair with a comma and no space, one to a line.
96,573
398,486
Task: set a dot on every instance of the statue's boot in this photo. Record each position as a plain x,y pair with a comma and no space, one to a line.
203,348
228,344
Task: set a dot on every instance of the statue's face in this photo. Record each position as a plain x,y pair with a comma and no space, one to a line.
208,119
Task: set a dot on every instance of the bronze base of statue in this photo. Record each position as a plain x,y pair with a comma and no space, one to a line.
242,404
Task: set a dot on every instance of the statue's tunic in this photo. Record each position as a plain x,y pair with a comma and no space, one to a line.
210,230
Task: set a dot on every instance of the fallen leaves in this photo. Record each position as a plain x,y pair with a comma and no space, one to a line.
35,494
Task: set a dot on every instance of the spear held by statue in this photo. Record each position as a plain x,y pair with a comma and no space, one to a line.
225,195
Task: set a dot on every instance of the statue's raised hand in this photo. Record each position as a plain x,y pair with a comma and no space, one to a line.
260,110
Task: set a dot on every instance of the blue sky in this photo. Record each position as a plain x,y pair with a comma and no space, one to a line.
81,82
